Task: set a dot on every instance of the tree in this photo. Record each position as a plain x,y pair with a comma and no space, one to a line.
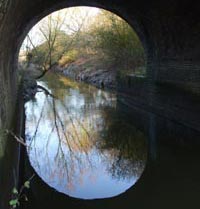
104,39
57,32
117,41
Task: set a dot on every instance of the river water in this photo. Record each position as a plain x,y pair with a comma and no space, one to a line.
79,143
92,149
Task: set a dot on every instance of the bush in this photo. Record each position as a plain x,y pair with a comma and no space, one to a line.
68,57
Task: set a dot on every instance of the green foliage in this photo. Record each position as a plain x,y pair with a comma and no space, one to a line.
119,43
14,203
68,57
27,184
14,191
17,196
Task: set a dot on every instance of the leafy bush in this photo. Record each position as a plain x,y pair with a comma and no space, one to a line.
68,57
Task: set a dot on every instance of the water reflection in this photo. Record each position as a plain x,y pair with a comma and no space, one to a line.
79,143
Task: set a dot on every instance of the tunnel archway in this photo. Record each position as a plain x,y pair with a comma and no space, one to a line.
114,168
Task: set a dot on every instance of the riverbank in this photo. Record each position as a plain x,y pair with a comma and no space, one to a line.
85,70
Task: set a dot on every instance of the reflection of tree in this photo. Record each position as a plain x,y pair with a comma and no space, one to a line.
74,136
126,146
80,134
65,86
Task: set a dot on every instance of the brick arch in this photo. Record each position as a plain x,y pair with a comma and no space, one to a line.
170,33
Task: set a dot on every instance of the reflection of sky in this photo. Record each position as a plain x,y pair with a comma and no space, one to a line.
73,166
